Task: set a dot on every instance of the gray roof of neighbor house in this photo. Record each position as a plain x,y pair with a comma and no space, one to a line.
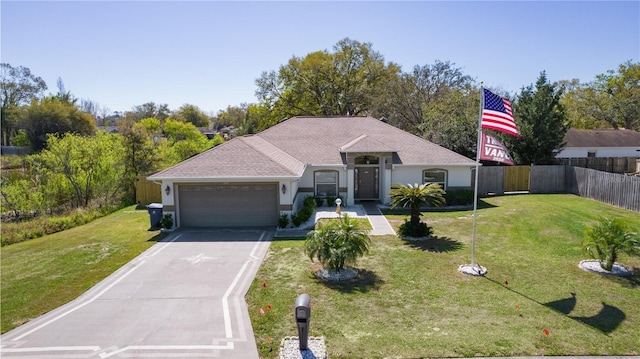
602,138
284,150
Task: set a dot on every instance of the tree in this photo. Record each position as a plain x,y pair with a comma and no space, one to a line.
19,87
344,82
339,242
93,167
542,123
64,95
231,116
52,116
578,108
607,239
192,114
414,197
151,109
409,97
20,194
140,152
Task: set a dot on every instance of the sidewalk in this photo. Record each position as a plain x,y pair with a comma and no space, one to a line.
365,210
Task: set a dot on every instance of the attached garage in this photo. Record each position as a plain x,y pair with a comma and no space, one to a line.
228,205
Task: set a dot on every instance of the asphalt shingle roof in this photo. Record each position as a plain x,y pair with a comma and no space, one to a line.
284,150
602,138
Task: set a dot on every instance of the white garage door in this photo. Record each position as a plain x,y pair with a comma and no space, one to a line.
228,205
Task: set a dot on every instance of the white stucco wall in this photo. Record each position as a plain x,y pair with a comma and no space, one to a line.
581,152
458,176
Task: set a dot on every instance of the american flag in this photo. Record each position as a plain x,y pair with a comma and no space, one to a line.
497,115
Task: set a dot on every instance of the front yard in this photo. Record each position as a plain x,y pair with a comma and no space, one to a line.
410,301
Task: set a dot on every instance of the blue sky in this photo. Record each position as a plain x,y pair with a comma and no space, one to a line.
209,53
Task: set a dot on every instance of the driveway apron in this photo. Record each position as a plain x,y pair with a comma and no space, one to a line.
182,298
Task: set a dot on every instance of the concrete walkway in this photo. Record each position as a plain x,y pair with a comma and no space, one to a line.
364,210
379,223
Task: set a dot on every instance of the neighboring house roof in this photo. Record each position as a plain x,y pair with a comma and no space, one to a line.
284,150
602,138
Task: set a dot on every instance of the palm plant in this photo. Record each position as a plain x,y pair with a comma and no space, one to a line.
608,238
338,243
414,197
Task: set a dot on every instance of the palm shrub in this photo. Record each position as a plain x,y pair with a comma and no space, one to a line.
609,237
414,197
337,243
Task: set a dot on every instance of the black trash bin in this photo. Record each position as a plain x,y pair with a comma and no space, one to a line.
155,214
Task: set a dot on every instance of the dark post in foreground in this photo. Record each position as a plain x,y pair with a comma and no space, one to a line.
303,315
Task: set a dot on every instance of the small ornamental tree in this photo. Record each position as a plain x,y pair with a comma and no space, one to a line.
414,197
338,243
608,238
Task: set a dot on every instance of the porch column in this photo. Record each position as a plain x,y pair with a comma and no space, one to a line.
386,186
350,185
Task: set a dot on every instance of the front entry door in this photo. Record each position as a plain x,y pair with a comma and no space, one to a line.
366,182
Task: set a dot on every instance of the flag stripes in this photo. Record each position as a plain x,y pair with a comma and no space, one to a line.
497,115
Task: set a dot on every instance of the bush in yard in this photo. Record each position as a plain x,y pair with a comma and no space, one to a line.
460,197
167,221
337,243
609,237
283,221
421,230
414,197
305,213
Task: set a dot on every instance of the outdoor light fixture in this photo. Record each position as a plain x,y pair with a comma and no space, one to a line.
167,190
284,188
338,203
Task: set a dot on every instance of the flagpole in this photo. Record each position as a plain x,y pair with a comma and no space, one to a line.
475,192
473,269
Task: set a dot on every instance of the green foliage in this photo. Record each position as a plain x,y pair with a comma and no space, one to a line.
338,243
52,116
460,197
192,114
22,231
343,82
19,87
92,167
319,201
414,197
167,221
542,123
20,139
308,206
406,229
331,201
151,109
609,101
283,221
609,237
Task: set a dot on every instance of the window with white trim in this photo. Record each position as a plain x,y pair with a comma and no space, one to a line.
435,176
326,183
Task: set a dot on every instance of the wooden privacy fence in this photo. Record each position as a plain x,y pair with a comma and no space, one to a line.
613,188
147,191
606,164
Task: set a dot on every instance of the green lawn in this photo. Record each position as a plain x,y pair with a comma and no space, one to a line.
42,274
409,300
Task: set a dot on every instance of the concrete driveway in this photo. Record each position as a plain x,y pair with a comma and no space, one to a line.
182,298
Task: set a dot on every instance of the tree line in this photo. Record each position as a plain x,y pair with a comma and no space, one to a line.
438,102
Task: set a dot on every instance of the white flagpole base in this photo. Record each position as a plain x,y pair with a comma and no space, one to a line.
474,270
